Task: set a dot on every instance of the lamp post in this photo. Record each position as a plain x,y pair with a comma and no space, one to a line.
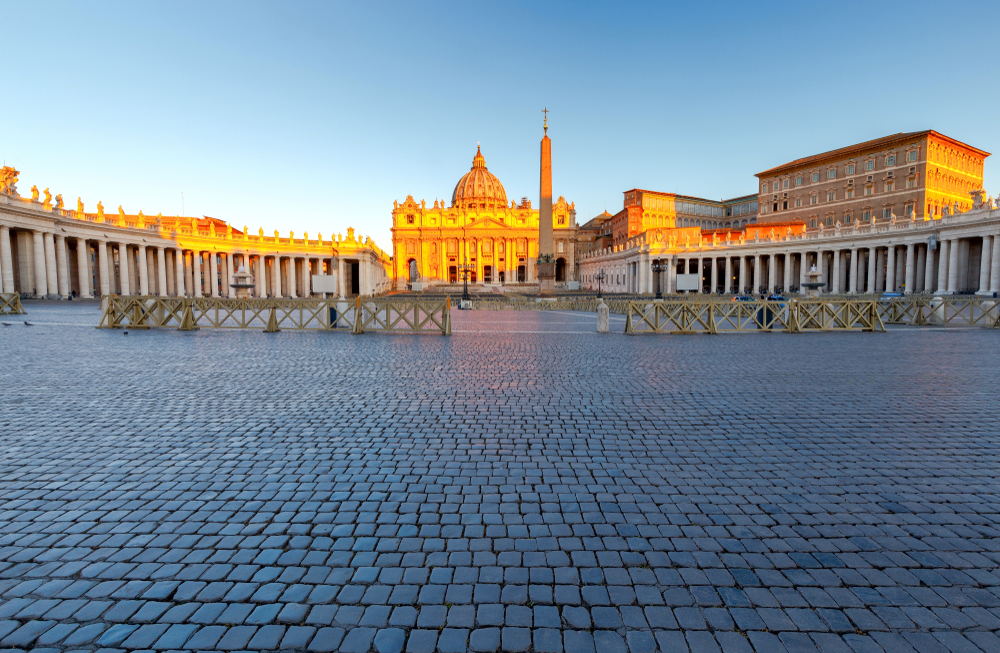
600,276
465,269
658,267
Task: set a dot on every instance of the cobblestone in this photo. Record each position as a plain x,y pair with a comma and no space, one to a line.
526,484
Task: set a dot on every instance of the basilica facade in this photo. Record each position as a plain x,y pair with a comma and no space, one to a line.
495,237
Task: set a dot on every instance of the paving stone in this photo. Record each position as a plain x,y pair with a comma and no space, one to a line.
517,485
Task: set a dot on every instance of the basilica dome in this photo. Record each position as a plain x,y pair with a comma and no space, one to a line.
479,188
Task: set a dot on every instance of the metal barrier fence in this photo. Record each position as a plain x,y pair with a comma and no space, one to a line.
791,316
358,316
10,304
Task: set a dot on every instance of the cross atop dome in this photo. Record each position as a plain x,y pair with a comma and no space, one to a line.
478,161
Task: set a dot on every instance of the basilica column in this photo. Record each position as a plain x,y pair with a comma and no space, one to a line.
143,271
161,272
743,275
943,256
918,268
51,286
213,268
83,268
756,275
890,269
909,265
995,266
196,274
102,267
953,251
853,281
870,288
179,275
276,278
728,281
835,287
984,266
772,272
230,271
62,267
929,269
6,261
307,277
293,291
123,275
340,278
259,275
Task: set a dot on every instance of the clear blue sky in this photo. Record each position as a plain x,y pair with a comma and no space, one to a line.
316,116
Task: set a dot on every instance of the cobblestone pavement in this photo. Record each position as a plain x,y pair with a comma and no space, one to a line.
523,485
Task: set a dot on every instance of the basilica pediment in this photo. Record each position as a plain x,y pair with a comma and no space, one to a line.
486,222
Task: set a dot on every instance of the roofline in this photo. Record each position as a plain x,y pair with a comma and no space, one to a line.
875,142
678,195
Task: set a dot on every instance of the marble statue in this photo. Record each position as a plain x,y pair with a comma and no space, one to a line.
275,235
34,193
121,214
945,211
955,208
79,207
100,212
59,202
8,180
261,234
48,199
977,198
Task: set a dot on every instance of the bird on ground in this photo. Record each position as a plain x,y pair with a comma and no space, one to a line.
27,323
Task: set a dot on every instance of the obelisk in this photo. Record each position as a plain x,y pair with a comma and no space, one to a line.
546,250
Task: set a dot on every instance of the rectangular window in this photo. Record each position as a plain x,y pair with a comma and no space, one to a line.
831,173
815,176
870,164
850,168
798,180
911,156
866,216
847,216
813,199
869,190
909,210
786,183
798,202
831,195
812,223
850,193
890,160
911,183
887,212
829,220
888,186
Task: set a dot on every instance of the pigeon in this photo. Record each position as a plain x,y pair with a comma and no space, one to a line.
6,323
126,333
27,323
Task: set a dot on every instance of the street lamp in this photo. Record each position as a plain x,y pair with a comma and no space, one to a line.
658,267
600,276
465,269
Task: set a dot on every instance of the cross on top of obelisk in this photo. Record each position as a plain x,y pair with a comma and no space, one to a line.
546,112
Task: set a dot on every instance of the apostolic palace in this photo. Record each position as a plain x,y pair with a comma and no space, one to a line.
903,213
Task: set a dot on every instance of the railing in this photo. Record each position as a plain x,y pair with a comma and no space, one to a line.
394,315
949,310
10,304
714,316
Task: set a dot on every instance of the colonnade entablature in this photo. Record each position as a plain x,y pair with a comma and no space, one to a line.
49,251
953,254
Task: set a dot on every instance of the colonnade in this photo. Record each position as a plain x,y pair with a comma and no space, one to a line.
959,254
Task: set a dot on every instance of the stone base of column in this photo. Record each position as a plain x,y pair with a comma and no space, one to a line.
546,279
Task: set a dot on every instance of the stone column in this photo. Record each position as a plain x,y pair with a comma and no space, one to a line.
715,274
729,275
103,267
872,260
143,271
984,266
772,272
213,272
41,287
803,271
50,267
196,274
853,281
230,271
307,276
943,256
161,272
890,271
835,286
83,268
292,289
62,267
341,274
995,266
953,249
276,278
757,277
909,279
260,276
789,267
743,275
123,275
179,275
918,268
6,261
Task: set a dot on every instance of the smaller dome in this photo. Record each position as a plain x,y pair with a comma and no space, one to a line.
478,186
